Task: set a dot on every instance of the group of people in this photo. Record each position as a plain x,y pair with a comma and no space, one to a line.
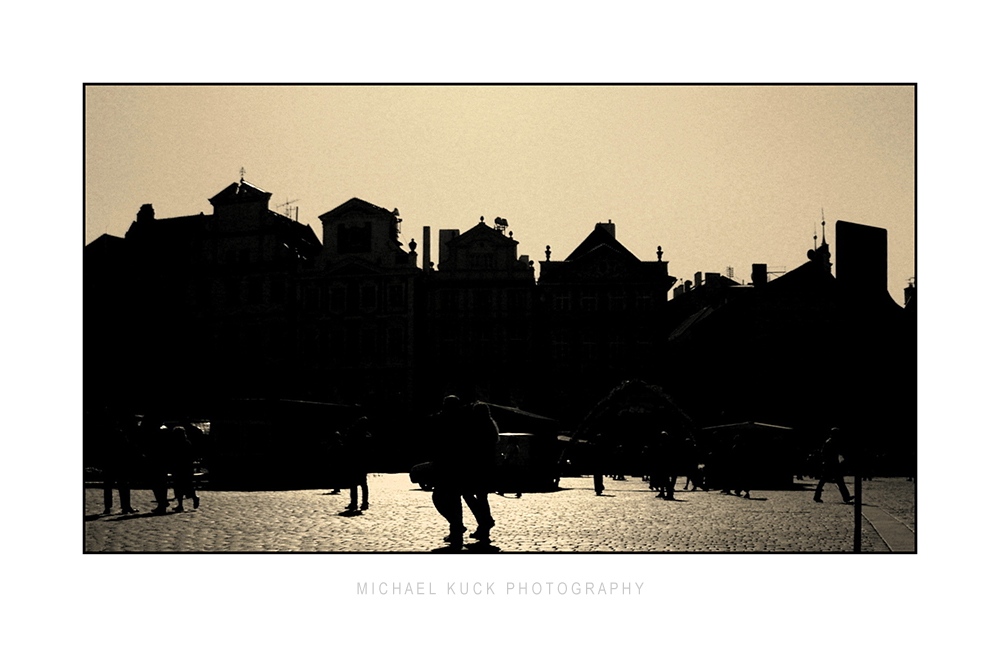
152,453
729,465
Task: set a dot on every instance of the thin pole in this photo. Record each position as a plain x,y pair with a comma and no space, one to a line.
857,508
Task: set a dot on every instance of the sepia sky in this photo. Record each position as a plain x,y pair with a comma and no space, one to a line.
719,176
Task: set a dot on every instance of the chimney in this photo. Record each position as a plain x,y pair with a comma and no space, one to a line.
145,213
697,279
759,274
609,227
427,248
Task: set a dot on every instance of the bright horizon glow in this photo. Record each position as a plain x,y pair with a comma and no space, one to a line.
718,176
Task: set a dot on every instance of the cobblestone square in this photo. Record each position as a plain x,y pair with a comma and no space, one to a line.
402,518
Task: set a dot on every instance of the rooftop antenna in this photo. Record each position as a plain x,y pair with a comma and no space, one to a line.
287,205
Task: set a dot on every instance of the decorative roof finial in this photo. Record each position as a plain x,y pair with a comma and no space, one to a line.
242,173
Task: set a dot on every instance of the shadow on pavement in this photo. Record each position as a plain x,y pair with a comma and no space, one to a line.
482,547
447,548
145,515
476,547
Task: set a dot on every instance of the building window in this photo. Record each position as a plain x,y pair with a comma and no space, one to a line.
616,301
396,343
278,290
517,300
338,299
561,301
483,261
395,297
588,301
643,300
449,300
482,301
354,239
311,299
368,297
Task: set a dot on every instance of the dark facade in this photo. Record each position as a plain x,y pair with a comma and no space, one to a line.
187,312
197,306
806,350
358,300
601,314
479,338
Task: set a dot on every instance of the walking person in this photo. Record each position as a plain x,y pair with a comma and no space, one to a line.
182,468
355,453
832,456
480,468
447,495
741,466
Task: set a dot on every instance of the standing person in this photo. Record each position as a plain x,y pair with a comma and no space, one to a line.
511,469
182,467
334,457
666,464
356,462
598,464
479,467
447,496
832,456
117,464
155,446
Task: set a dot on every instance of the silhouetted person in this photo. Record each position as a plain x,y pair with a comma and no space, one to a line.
447,495
599,460
355,455
117,465
155,446
479,467
832,467
665,455
182,468
690,464
511,470
740,466
335,459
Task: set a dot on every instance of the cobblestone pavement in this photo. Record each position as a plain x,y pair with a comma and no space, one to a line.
627,518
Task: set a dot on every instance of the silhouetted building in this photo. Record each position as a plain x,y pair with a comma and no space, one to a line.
358,312
188,311
201,305
806,350
479,336
601,312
